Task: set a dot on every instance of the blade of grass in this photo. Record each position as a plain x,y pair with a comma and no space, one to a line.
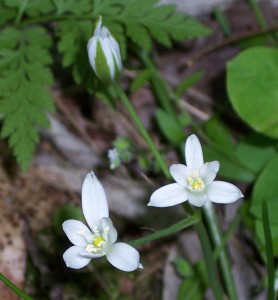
269,252
223,21
14,288
166,232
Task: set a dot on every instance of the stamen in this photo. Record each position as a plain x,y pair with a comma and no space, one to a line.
195,182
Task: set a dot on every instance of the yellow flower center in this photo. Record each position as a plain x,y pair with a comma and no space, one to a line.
98,241
195,182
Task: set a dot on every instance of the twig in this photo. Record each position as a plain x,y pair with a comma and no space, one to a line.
190,62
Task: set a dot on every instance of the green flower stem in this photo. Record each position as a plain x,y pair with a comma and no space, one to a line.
208,255
14,288
217,239
167,231
127,104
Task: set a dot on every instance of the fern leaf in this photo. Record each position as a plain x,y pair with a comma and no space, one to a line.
24,98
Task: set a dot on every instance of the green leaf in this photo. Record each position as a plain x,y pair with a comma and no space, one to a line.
182,267
141,78
170,127
230,166
253,88
73,6
74,36
185,223
188,82
24,98
255,151
266,188
144,20
194,287
219,135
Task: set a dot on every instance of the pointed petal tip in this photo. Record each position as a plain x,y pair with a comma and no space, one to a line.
140,266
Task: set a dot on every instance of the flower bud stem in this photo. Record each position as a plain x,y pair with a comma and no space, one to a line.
127,104
216,236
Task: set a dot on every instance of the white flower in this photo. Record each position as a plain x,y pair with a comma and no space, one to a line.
114,158
194,182
100,238
104,54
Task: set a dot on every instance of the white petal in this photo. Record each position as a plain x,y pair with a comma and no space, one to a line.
94,202
193,153
112,233
223,192
76,232
98,27
92,51
197,198
208,171
116,51
73,259
180,173
169,195
124,257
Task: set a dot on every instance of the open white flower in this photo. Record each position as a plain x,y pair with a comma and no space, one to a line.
104,54
195,181
100,238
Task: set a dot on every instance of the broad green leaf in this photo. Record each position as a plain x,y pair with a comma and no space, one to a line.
253,88
230,167
266,189
255,151
169,127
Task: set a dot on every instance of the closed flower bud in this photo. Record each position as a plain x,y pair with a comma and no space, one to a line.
104,54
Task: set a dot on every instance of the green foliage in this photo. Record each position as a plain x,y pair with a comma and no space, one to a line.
253,88
266,189
169,126
24,98
194,280
188,82
25,55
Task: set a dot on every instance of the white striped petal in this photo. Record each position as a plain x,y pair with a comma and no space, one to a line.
208,171
94,202
223,192
193,153
197,198
73,259
169,195
76,232
180,173
124,257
